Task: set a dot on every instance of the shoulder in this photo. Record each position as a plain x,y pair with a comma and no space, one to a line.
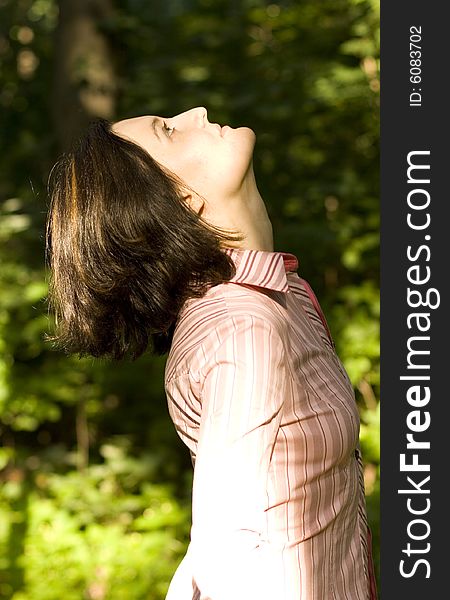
225,311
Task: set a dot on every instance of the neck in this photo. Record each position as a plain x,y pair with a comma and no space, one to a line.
249,215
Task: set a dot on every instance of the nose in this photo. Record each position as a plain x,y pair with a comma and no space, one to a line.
195,116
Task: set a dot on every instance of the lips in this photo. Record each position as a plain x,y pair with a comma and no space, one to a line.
220,129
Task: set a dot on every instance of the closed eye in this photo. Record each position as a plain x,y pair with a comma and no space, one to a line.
168,129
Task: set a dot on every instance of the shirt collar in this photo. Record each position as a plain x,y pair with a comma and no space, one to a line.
262,268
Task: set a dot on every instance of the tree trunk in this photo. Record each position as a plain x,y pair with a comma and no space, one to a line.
85,82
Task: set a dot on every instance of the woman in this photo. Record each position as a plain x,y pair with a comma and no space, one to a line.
157,232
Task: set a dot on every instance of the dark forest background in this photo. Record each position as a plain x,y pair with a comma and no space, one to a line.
95,484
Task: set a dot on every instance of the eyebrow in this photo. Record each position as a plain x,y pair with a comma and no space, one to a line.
154,121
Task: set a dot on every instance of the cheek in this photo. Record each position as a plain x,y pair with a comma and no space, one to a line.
209,161
204,161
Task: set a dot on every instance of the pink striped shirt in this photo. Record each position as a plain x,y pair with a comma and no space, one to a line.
257,393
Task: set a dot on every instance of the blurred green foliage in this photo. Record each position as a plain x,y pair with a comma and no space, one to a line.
95,493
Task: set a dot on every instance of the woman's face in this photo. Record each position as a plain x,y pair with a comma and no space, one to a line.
210,159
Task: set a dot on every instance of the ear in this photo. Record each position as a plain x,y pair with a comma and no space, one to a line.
195,202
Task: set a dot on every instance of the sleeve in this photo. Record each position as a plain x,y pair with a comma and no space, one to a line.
182,586
244,387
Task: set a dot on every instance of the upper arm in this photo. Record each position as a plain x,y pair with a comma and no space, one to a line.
244,384
243,390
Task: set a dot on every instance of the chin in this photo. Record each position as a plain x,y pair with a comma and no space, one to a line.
239,131
248,131
247,138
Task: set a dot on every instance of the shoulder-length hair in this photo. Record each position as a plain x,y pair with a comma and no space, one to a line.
124,250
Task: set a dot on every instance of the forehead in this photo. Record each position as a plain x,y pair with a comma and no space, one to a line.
140,130
133,125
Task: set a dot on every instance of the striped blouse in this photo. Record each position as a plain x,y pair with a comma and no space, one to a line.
257,393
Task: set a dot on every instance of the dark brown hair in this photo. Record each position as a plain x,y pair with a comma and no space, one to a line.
124,250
